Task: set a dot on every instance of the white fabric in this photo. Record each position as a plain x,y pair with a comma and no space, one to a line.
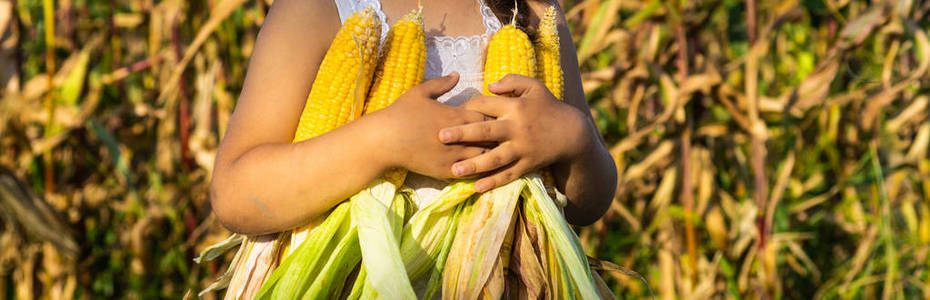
444,54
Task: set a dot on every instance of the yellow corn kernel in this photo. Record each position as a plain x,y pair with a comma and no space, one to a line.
509,52
548,58
344,74
401,66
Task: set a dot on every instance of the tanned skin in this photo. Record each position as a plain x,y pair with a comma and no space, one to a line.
263,183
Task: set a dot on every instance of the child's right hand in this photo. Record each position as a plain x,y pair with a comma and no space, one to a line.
409,128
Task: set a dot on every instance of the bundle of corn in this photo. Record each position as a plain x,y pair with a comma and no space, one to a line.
376,246
523,244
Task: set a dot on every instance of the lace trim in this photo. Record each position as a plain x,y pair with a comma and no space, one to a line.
491,23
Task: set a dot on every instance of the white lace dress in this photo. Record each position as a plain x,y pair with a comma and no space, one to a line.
444,54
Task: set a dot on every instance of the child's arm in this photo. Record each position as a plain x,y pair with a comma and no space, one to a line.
535,130
263,183
589,179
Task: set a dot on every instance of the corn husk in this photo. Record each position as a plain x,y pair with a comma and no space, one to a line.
509,242
565,245
478,242
428,228
371,210
297,272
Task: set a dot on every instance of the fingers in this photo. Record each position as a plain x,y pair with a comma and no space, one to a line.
490,131
494,106
438,86
469,116
492,160
514,84
502,177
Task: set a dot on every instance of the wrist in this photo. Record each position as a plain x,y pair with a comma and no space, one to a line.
375,142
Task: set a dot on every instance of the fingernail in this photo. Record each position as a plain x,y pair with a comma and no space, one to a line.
493,85
445,136
458,170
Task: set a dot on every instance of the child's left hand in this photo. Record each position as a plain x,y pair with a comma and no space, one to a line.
532,130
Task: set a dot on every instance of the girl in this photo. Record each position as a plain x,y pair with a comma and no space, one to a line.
439,130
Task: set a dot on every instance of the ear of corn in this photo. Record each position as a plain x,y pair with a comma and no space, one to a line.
378,210
344,74
509,52
339,88
400,67
548,57
402,62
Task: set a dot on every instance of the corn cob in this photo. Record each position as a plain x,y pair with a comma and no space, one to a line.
339,89
548,58
402,62
509,52
345,73
549,64
401,66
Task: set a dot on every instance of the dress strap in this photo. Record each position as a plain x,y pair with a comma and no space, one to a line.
491,23
348,7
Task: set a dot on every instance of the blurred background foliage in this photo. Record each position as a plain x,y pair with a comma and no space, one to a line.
766,149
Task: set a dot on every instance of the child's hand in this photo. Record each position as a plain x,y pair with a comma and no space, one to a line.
408,130
532,129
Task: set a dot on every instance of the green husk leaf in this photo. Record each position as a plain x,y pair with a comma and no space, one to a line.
297,271
424,233
380,249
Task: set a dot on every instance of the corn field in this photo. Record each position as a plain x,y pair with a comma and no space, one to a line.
765,149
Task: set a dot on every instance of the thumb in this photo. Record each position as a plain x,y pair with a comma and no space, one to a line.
438,86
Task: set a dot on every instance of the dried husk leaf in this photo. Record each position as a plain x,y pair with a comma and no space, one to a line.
478,242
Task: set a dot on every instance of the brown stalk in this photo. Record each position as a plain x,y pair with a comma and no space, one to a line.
757,129
757,133
687,194
184,105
